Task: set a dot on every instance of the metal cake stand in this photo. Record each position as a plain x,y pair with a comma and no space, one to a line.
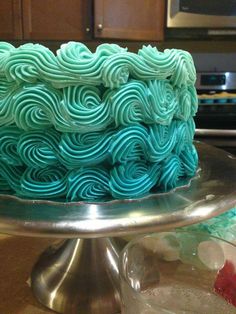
81,274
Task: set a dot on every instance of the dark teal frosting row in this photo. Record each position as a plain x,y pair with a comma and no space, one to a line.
123,163
39,149
127,180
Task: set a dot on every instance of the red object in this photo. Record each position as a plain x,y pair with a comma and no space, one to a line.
225,283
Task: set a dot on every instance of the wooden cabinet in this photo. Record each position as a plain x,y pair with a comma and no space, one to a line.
130,19
81,19
10,19
57,19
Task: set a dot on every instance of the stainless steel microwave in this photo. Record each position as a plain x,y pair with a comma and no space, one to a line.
201,14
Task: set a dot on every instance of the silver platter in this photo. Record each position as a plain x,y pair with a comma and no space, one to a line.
211,193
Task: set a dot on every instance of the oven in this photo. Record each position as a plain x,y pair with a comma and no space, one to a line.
216,117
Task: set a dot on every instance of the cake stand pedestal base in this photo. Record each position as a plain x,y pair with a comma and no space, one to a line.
79,276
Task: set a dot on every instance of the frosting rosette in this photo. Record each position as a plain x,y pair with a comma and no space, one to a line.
37,107
163,101
5,49
129,144
184,134
31,62
189,159
6,87
81,65
171,171
88,183
161,62
185,72
91,148
39,149
129,104
133,179
9,137
6,109
49,182
161,141
84,109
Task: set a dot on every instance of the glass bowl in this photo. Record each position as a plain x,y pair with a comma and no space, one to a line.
178,272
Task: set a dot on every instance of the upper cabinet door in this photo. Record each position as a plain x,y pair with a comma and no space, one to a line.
57,19
130,19
10,19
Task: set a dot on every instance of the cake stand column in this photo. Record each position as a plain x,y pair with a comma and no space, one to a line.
79,276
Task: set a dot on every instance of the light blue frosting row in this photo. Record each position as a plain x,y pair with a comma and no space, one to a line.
87,108
110,65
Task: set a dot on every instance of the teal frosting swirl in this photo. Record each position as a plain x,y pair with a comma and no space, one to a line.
6,87
189,158
187,102
184,109
161,141
133,179
185,72
89,183
171,171
129,104
81,65
9,137
184,135
117,69
163,101
6,109
5,49
12,175
49,182
175,64
129,144
84,109
89,149
162,62
194,99
39,149
32,62
37,107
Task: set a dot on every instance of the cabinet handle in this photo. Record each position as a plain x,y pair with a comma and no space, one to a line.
99,27
87,29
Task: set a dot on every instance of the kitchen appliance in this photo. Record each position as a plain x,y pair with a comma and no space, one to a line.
201,18
216,118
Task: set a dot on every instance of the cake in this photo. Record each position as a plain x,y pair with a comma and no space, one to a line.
112,124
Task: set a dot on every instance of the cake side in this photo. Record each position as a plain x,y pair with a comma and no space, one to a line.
90,126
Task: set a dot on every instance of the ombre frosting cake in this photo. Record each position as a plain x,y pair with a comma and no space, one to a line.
112,124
